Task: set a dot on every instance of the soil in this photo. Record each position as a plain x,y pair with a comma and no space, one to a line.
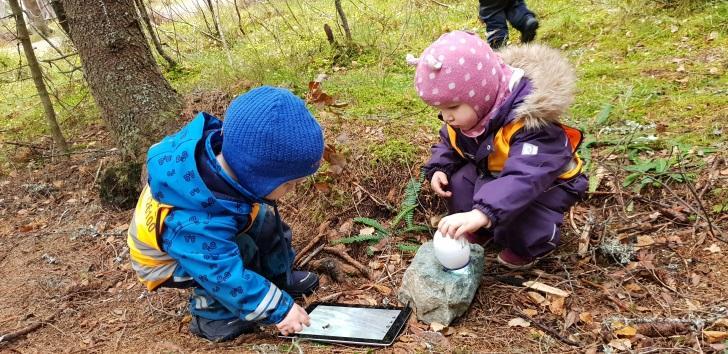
64,264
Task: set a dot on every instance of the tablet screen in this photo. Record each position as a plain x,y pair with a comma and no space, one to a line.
350,322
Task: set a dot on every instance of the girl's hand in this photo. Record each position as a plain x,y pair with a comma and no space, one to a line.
456,225
438,183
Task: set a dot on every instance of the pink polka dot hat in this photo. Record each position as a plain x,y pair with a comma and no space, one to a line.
460,67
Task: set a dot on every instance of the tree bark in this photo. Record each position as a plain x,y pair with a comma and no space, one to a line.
136,102
153,35
37,75
57,6
344,22
35,15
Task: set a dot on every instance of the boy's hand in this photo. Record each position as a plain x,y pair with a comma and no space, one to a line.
295,320
438,183
456,225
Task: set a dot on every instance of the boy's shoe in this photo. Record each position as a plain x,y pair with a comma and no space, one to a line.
529,30
302,283
511,260
220,330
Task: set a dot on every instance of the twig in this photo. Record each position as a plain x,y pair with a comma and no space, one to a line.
702,208
331,297
308,247
345,256
311,255
546,329
6,338
96,176
374,199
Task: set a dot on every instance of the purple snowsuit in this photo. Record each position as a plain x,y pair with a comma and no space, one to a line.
527,198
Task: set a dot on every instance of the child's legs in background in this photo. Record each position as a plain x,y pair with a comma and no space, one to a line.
271,252
517,13
493,14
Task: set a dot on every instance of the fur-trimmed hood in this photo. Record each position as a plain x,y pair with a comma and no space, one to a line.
553,80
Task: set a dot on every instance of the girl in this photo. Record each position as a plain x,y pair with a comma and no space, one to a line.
507,167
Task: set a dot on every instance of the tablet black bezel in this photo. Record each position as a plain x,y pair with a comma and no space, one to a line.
388,339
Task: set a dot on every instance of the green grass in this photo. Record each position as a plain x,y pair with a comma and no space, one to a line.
626,52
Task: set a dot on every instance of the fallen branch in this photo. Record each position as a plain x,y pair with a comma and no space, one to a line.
308,247
545,328
333,296
441,4
311,255
584,237
345,256
6,338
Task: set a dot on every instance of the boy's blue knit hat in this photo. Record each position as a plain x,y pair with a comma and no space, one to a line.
269,138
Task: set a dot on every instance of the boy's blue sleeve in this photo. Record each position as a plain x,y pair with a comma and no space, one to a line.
209,254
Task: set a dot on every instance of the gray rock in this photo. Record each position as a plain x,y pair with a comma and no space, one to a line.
436,294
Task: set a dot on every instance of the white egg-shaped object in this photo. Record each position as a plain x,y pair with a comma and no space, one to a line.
451,253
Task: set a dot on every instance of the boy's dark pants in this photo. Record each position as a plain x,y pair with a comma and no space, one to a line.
495,13
530,234
264,249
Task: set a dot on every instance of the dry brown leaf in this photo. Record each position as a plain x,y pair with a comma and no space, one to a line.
557,305
395,258
586,318
681,68
632,287
347,227
530,312
621,344
385,290
518,322
715,336
375,265
714,248
713,36
723,322
570,319
322,187
448,331
437,327
464,333
366,231
626,331
537,298
644,241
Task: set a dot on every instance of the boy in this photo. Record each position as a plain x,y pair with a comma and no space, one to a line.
207,218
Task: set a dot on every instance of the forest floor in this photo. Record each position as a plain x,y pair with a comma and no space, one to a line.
651,98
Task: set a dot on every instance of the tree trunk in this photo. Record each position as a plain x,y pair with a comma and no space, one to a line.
57,6
37,74
344,22
136,102
36,17
153,35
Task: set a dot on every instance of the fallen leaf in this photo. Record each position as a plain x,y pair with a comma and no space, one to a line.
634,288
448,331
336,160
621,344
715,336
518,322
586,318
435,220
681,68
366,231
557,305
465,333
530,312
713,36
570,319
674,29
536,297
713,71
375,265
626,331
714,248
723,322
644,241
346,227
322,187
695,279
436,326
385,290
719,347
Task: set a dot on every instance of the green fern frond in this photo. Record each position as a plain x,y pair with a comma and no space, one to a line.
408,211
372,223
358,238
419,228
408,247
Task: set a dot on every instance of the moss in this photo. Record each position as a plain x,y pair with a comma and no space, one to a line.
393,151
119,185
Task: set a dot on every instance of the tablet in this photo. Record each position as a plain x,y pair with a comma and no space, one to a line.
354,324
